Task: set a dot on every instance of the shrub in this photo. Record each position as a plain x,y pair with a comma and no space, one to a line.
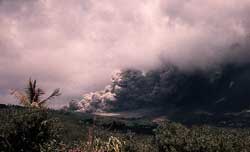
173,137
32,131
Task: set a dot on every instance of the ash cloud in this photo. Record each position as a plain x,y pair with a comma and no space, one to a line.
75,45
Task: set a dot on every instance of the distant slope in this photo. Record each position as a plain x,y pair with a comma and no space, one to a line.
76,123
138,121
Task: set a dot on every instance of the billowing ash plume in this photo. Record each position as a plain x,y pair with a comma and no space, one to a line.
75,45
221,89
102,100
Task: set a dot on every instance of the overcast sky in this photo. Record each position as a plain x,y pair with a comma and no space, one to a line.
76,44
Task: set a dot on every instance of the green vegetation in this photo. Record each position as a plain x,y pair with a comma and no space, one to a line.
27,129
177,138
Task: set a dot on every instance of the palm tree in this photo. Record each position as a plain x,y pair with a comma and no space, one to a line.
32,95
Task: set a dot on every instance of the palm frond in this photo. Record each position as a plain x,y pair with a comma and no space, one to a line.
54,94
34,84
31,90
31,96
38,93
23,99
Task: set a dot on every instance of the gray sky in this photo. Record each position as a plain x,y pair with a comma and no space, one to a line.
76,44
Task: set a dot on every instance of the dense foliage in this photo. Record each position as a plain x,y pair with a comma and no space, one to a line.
31,131
24,129
177,138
